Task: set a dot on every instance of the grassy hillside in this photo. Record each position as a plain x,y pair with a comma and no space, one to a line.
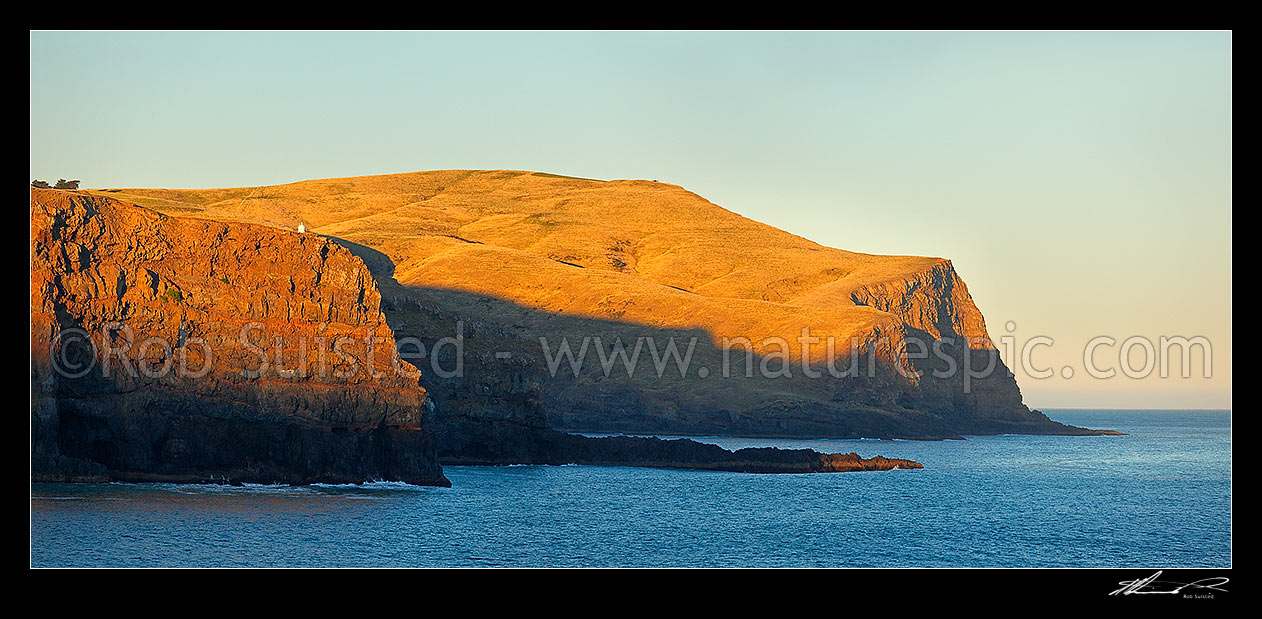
518,256
636,251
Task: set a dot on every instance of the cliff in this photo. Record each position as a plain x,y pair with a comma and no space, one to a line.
640,307
189,350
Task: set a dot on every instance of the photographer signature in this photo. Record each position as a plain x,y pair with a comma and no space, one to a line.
1148,585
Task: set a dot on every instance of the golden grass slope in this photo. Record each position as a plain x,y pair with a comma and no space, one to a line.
635,251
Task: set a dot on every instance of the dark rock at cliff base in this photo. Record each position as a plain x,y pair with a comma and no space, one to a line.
689,454
1039,423
165,441
515,433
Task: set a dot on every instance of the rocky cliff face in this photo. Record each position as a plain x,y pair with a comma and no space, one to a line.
934,301
963,379
189,350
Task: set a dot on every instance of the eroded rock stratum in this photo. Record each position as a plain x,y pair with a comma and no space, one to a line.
148,339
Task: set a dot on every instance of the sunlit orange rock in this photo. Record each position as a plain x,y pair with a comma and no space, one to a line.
148,340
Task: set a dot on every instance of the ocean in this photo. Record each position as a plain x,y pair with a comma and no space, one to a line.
1158,497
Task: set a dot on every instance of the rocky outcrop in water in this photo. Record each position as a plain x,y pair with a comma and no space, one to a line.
552,447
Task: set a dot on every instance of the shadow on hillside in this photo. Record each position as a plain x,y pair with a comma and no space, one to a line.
379,264
507,368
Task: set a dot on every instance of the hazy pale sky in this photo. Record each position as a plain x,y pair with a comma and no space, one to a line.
1079,181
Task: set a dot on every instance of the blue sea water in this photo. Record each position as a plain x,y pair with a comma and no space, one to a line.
1158,497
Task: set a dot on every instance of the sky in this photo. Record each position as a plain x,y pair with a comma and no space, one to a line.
1080,182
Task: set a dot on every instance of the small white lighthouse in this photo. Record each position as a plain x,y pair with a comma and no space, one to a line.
302,228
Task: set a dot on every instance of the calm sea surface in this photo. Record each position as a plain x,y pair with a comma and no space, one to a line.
1160,497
